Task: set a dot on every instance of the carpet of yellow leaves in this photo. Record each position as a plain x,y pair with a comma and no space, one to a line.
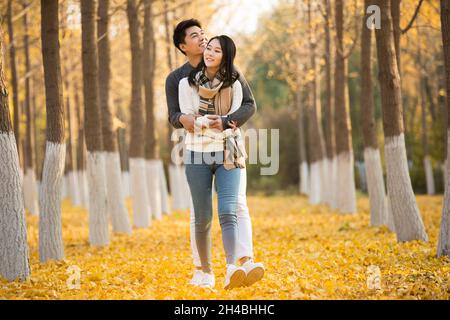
309,252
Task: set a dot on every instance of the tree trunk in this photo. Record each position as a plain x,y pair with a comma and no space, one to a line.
168,43
157,194
346,193
444,236
124,160
408,222
98,215
29,183
372,158
139,191
316,144
50,229
81,149
329,131
424,134
116,199
73,189
303,167
13,232
14,77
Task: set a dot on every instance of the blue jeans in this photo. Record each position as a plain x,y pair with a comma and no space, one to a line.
200,169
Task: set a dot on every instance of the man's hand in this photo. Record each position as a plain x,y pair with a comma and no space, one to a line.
187,120
215,122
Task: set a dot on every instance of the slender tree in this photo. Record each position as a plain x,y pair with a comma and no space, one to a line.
157,185
330,147
422,89
345,192
98,215
407,219
372,158
139,191
316,144
71,163
116,199
81,148
29,183
13,232
444,236
50,230
303,167
14,76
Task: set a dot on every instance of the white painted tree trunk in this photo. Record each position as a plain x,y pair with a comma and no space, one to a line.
334,183
407,219
324,179
443,248
116,200
30,192
345,192
429,175
84,188
50,226
13,232
154,188
375,186
126,183
304,178
139,193
98,215
315,188
74,189
164,192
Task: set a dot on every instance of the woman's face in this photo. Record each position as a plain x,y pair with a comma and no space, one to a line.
213,54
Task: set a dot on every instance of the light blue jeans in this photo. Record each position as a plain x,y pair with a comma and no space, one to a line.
200,169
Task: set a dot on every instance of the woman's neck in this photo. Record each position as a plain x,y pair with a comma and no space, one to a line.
211,72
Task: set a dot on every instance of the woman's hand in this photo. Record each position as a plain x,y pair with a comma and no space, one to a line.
215,122
187,120
233,125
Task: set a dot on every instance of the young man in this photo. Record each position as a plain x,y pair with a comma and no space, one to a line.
190,39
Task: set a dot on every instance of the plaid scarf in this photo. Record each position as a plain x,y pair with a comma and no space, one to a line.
213,98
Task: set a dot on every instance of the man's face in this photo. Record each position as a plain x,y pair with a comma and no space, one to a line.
194,42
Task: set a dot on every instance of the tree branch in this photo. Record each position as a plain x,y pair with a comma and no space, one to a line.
403,31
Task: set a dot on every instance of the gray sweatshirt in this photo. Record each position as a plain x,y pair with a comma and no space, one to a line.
241,115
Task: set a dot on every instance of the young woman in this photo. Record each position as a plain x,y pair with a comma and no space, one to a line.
211,88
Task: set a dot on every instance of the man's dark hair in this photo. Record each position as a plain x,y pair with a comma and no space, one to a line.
179,34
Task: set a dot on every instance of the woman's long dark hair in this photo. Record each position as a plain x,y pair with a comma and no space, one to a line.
227,70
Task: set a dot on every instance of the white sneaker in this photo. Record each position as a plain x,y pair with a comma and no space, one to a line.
235,277
208,280
254,272
196,278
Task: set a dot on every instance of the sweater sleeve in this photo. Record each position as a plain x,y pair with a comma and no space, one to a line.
237,97
185,97
247,108
172,101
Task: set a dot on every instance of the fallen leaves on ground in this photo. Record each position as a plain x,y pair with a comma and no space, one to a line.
310,252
